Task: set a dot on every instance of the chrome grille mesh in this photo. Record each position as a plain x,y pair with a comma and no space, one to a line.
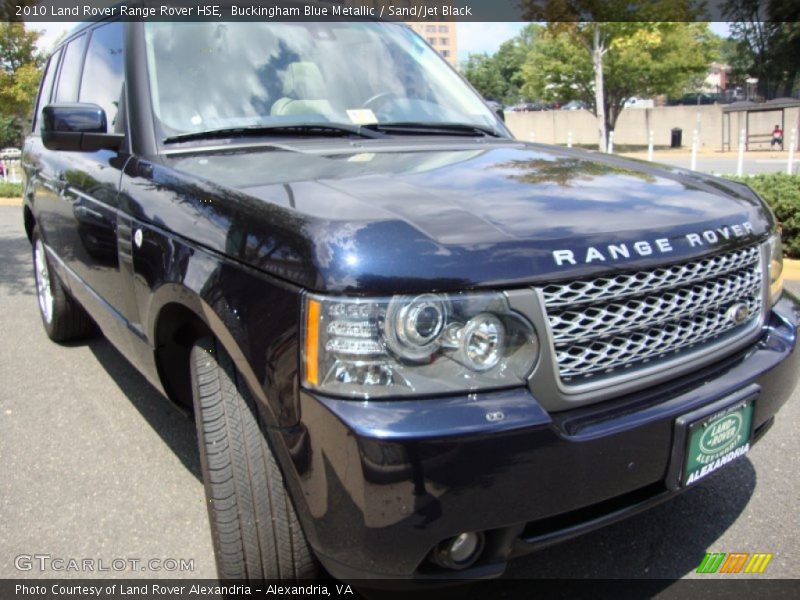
604,325
586,291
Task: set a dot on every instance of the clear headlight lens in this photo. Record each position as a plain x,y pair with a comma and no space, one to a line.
775,249
415,345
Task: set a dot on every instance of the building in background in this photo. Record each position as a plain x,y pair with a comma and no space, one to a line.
716,81
442,36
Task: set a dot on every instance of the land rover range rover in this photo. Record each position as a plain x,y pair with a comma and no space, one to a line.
414,345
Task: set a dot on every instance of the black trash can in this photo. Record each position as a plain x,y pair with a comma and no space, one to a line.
675,140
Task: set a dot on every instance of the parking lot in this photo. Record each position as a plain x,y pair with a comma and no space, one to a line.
97,465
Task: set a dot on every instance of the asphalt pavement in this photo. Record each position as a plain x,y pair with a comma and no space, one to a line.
97,465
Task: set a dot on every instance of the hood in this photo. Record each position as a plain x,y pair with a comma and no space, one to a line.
381,217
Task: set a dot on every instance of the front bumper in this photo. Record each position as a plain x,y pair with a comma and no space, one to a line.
378,484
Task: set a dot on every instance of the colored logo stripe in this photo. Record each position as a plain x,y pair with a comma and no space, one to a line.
758,563
734,562
711,562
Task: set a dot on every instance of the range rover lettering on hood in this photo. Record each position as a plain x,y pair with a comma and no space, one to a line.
618,252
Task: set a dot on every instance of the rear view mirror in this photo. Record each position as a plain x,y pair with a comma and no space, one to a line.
77,128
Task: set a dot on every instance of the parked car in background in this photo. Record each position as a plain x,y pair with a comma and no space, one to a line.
575,105
497,108
634,102
10,153
531,106
696,99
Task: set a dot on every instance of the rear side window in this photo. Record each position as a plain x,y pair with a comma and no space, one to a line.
70,76
103,70
46,88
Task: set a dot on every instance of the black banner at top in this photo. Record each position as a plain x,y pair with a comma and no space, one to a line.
400,10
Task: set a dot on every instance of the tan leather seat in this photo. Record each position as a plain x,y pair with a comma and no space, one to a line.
304,92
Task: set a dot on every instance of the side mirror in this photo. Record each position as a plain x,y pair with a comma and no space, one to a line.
497,108
77,128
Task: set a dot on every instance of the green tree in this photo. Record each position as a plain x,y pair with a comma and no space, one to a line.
499,77
20,71
766,39
604,51
480,70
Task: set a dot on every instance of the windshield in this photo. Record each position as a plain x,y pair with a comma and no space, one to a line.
211,76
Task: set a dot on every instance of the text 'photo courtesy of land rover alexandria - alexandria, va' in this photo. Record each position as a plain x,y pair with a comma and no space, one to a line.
414,346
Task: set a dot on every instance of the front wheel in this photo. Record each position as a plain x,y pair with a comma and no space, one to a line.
254,526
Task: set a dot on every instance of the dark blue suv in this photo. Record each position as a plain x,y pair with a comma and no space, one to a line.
414,346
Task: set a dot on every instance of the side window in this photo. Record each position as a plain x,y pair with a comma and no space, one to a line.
70,76
45,89
103,71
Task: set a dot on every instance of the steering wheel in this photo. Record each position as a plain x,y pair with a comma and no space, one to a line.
379,99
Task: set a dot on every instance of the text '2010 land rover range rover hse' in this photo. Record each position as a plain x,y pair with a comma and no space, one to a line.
415,347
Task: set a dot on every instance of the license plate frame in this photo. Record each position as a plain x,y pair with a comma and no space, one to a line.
726,427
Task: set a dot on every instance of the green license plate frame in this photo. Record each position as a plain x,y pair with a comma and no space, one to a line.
712,437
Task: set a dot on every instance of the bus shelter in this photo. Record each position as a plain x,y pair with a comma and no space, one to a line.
748,115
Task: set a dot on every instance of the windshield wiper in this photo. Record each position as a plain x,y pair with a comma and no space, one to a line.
422,128
298,129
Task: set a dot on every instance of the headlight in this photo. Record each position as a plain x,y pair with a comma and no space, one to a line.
775,249
415,345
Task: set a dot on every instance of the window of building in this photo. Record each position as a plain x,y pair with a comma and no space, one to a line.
432,41
430,28
444,41
443,29
446,53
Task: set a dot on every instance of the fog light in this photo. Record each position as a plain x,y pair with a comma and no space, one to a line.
459,552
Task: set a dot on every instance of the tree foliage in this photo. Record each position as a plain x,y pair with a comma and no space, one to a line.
634,44
20,71
767,44
481,72
643,59
499,77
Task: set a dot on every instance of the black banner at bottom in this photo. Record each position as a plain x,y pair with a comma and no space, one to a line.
181,589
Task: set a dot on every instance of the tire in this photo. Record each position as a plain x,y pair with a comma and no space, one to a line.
254,526
63,318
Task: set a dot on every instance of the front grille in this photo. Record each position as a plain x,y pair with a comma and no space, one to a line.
605,325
